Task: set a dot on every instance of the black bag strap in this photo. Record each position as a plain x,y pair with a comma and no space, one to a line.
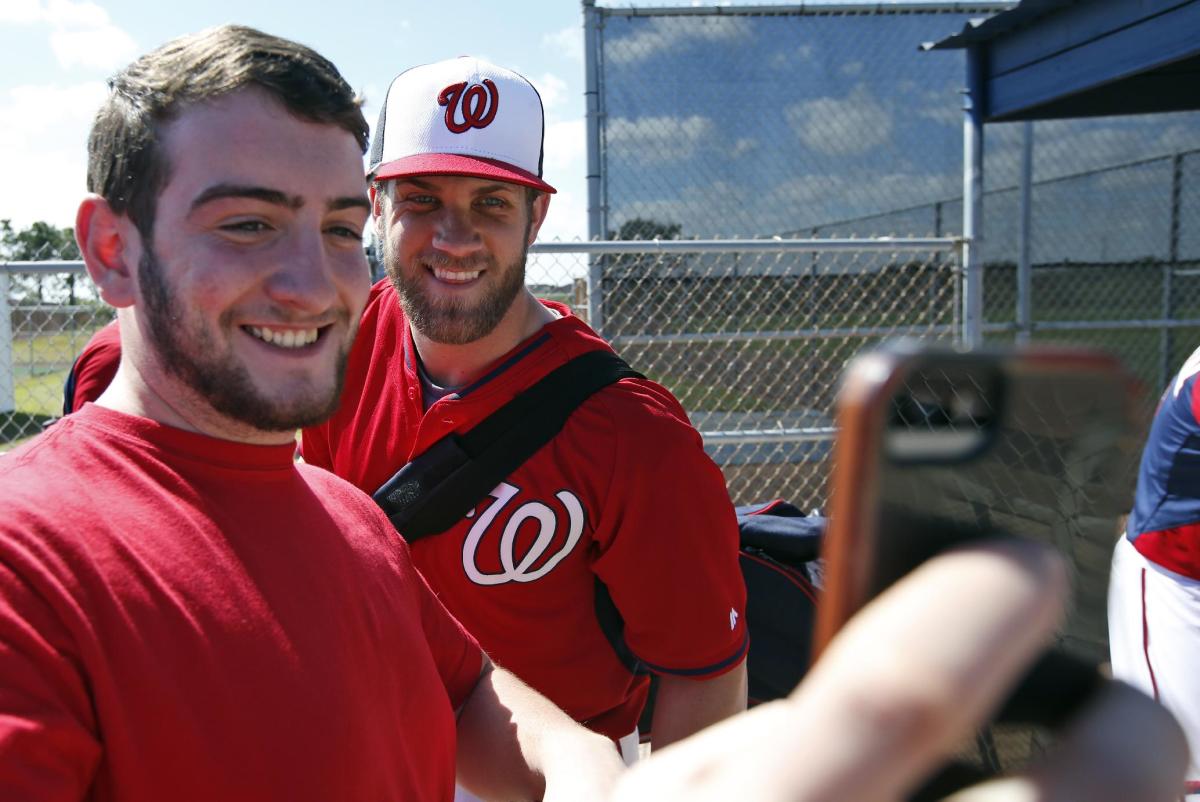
428,495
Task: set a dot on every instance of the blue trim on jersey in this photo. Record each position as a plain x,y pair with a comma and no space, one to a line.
739,655
503,366
1168,488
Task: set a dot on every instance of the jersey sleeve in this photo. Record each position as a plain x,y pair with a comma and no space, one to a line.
93,369
669,541
48,747
314,446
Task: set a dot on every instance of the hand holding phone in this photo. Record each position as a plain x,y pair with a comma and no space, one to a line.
938,447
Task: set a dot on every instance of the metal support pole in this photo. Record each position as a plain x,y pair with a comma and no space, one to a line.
8,402
1166,336
1024,235
596,216
972,298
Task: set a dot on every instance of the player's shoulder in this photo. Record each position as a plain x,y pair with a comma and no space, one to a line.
381,316
342,498
644,412
52,447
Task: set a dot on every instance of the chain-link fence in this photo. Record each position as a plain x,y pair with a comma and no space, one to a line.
826,122
751,336
810,121
48,310
753,122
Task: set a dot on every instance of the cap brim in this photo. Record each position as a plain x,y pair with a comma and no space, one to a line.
457,164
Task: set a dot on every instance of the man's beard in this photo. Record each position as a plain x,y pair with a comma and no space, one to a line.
196,359
453,322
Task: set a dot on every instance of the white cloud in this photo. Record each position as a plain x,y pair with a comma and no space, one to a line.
102,48
82,34
568,42
659,35
29,112
59,13
43,155
840,126
851,68
566,147
659,139
801,54
69,14
21,12
552,89
567,218
45,185
743,146
942,114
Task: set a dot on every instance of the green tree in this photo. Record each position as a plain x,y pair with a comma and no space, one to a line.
643,228
40,242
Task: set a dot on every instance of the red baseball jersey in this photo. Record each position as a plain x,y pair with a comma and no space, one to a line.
93,369
624,495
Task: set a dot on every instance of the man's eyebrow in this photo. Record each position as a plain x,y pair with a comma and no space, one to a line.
219,191
498,186
348,202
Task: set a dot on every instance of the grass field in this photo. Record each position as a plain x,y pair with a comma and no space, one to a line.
40,366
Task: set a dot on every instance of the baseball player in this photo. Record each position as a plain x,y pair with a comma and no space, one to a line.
621,511
185,612
1154,591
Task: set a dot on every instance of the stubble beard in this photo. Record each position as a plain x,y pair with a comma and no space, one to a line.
454,322
193,357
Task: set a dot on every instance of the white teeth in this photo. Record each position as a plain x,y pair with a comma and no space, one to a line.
456,275
287,338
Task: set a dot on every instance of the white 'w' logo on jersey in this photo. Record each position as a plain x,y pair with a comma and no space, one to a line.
513,570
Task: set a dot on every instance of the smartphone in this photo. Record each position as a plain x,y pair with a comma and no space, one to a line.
938,446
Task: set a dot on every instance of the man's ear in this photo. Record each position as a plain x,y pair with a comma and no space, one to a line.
541,204
377,192
104,239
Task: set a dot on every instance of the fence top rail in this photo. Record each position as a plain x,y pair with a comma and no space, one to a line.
644,246
931,6
750,245
57,266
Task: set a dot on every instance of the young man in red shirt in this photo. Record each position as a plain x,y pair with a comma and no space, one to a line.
185,612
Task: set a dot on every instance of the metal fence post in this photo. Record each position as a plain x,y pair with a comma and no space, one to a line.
1024,234
596,216
8,401
1166,337
972,299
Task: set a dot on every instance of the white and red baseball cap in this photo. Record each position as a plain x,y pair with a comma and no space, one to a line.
461,116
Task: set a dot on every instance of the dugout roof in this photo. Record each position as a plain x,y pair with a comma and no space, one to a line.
1046,59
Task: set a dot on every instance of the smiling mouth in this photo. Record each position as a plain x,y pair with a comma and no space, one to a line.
285,338
455,276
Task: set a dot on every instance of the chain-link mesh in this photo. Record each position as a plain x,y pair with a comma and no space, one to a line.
808,123
753,344
50,314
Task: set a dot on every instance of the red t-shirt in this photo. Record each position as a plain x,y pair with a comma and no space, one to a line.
624,494
93,369
184,618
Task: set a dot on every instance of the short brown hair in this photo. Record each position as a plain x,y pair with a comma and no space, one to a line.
126,164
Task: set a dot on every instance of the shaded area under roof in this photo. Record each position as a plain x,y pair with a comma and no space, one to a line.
1047,59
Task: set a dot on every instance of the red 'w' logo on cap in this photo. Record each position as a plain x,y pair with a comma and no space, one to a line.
475,104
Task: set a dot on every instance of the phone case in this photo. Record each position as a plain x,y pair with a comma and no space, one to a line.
937,446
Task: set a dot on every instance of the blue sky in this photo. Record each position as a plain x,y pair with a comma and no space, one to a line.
56,54
731,127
